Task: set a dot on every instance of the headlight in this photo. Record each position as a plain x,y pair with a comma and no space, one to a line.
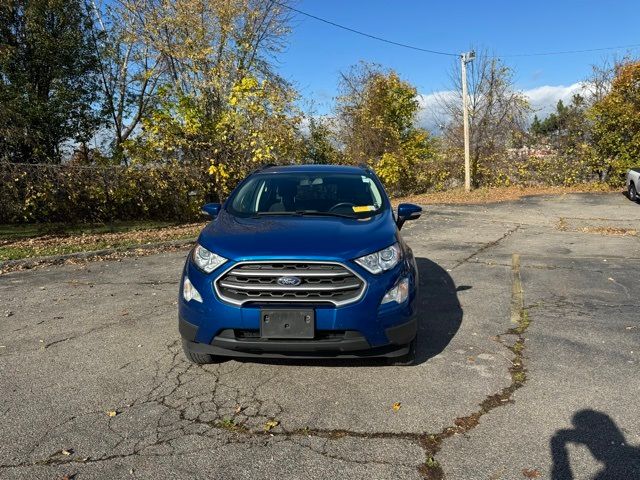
399,293
205,260
380,261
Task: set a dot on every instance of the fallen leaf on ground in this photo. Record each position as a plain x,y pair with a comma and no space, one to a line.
396,406
270,424
238,409
112,413
531,473
67,451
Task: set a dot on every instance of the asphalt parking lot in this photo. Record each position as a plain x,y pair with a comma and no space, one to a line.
528,366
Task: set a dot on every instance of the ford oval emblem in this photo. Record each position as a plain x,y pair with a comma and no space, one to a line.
289,281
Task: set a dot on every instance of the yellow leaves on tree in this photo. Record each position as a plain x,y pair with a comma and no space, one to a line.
223,108
616,122
377,112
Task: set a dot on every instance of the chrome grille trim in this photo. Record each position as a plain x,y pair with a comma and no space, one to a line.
297,273
279,288
323,282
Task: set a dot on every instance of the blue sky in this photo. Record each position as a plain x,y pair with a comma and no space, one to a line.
318,52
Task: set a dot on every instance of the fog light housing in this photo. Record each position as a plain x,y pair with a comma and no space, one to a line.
399,293
189,292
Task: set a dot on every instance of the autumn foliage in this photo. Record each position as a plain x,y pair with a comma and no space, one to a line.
124,108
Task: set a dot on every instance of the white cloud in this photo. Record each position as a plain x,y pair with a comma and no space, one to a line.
431,113
543,101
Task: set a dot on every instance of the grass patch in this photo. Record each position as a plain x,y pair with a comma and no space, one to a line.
432,463
128,235
519,377
518,347
230,425
523,324
32,230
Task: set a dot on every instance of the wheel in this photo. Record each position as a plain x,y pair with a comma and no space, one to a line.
199,358
407,359
633,194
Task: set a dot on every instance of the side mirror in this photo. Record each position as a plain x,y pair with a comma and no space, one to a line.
407,211
211,209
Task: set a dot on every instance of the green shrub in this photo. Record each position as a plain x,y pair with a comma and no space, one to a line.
76,194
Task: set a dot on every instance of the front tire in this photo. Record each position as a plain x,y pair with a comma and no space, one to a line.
198,358
633,193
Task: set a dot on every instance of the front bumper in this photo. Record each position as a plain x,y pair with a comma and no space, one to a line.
364,328
351,344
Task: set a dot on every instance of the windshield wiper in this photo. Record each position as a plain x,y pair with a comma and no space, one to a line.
304,212
264,214
323,214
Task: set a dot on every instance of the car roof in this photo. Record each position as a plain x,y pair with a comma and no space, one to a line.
313,168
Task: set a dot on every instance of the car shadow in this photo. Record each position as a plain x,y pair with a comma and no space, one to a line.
439,318
439,310
606,442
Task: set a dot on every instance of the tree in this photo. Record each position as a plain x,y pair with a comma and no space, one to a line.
375,112
320,143
129,71
567,127
497,114
222,105
376,115
47,78
616,122
536,127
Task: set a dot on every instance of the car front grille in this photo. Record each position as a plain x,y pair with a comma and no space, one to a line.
319,283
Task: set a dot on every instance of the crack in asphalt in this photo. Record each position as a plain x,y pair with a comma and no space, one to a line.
227,414
486,246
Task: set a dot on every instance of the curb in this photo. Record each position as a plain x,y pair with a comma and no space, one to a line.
29,263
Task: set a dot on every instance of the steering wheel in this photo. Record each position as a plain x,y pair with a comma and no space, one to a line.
342,204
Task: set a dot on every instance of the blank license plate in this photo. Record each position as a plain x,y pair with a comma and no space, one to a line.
287,323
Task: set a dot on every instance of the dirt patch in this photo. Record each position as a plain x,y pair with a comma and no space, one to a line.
612,231
499,194
596,226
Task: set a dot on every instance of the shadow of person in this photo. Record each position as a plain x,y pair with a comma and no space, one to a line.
439,311
599,433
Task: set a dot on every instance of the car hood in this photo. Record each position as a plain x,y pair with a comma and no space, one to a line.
306,237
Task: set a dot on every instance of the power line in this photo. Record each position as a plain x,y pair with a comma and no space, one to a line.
568,52
364,34
437,52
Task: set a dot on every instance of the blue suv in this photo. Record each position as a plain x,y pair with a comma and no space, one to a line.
302,261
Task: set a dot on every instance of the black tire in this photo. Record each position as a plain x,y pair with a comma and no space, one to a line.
409,358
198,358
633,193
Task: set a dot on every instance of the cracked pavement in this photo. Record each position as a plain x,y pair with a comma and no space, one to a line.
83,340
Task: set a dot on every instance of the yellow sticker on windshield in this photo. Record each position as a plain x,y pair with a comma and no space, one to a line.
364,208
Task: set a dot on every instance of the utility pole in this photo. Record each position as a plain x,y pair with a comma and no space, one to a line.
465,58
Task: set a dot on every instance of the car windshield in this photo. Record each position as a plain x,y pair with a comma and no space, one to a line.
327,194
